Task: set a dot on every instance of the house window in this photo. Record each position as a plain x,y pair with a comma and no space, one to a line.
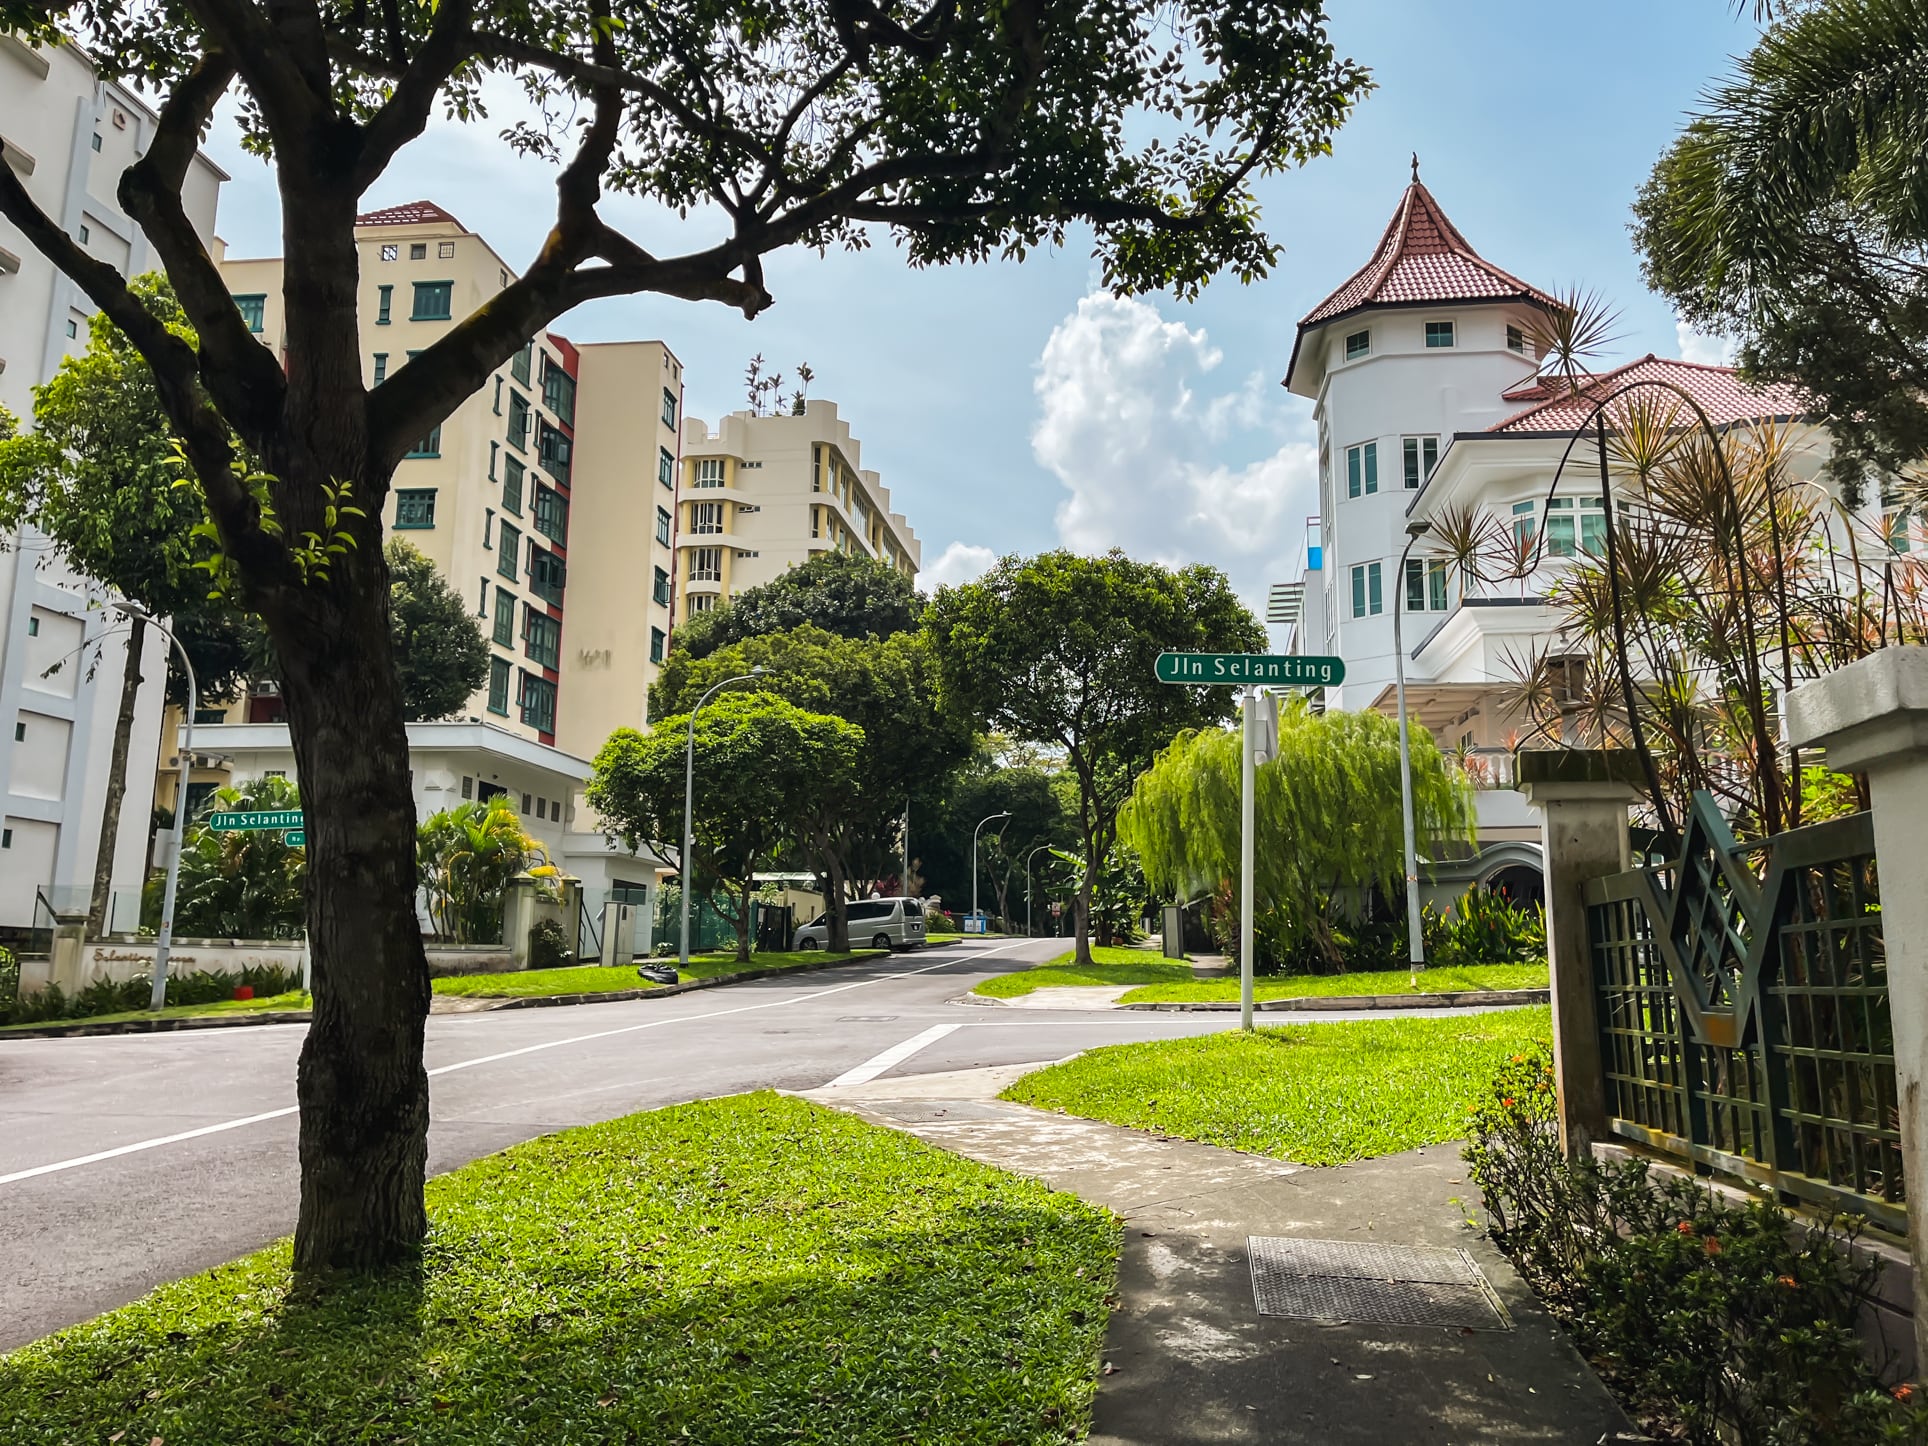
96,141
519,364
499,686
429,446
1894,529
1425,585
415,508
445,250
669,407
512,486
1358,344
33,627
541,637
663,524
665,468
389,253
706,564
1526,525
709,472
433,300
1368,598
554,448
1516,340
1593,526
706,518
504,617
816,522
385,296
468,786
518,421
1422,455
538,703
482,601
381,367
528,804
558,391
20,733
87,234
253,309
1362,469
552,514
660,588
498,396
547,575
656,640
488,529
508,552
495,450
1439,333
418,251
1559,527
700,602
73,327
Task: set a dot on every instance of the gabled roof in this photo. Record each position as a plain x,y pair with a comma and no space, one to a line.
415,213
1721,393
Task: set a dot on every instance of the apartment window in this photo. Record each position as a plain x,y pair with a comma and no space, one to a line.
210,716
541,637
498,396
669,407
663,524
381,367
253,308
1362,469
1516,340
1425,585
6,838
512,486
816,522
389,253
1422,455
656,640
87,234
709,472
73,327
482,600
33,627
1559,527
555,449
519,364
816,469
415,508
700,602
558,390
706,518
468,786
1439,333
495,450
499,686
488,529
20,733
552,514
429,446
660,587
418,251
1593,526
96,140
1368,598
433,300
518,421
1358,344
508,552
504,617
706,564
1526,525
665,468
445,250
385,296
538,703
528,804
547,575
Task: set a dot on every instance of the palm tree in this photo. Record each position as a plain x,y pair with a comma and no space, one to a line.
468,854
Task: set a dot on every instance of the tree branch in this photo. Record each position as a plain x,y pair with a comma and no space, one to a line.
405,114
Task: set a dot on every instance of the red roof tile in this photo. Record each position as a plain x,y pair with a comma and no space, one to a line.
415,213
1719,391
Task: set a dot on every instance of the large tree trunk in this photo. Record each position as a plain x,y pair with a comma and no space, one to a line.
1081,911
110,809
833,903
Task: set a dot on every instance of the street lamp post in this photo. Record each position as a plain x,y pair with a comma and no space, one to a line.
974,832
1029,928
1416,940
164,936
689,791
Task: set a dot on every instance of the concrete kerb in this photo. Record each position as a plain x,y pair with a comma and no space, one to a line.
1338,1003
82,1027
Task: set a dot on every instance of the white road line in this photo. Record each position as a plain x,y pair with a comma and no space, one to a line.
891,1057
155,1144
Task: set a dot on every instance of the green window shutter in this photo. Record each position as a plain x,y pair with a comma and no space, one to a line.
433,301
1412,463
519,364
505,618
387,296
512,486
253,310
499,686
1375,595
1415,585
1359,592
415,508
508,552
1352,472
1371,451
1436,585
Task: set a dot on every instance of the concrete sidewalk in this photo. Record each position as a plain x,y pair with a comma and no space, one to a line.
1188,1358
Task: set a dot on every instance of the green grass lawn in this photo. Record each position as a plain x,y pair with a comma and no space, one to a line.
1318,1094
734,1272
1109,966
1186,989
292,1000
598,978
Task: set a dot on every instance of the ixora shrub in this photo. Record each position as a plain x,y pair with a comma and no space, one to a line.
121,996
1732,1324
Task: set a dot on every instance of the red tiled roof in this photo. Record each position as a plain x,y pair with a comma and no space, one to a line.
1719,391
415,213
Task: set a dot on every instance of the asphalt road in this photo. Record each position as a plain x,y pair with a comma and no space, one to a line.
130,1160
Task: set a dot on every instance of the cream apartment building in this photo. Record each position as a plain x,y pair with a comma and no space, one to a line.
761,494
547,498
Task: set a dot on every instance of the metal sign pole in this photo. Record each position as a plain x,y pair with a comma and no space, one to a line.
1247,852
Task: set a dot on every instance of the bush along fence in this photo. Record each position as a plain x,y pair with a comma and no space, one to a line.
1756,1016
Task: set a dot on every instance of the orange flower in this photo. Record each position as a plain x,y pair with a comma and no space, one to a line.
1787,1280
1903,1393
1508,1102
1686,1227
1519,1059
1711,1245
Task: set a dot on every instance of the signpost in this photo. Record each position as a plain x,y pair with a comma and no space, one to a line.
276,818
1260,717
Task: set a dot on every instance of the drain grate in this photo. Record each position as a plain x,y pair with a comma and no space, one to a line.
1347,1282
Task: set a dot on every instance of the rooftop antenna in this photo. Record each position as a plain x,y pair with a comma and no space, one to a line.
1415,168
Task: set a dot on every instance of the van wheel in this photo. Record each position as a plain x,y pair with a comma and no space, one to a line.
882,941
808,943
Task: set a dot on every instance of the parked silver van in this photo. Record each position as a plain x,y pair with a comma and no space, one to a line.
874,924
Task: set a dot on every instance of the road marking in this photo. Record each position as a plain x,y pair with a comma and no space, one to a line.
891,1057
156,1144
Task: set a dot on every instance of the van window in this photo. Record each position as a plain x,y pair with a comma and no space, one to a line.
913,909
871,910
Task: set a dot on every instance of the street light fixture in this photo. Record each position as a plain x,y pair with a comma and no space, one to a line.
164,936
689,789
1029,929
1416,940
974,832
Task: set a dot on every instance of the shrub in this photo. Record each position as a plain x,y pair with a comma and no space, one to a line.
1484,928
120,996
941,921
1733,1323
548,945
9,978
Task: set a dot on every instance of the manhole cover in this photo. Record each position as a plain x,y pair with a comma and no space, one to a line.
1348,1282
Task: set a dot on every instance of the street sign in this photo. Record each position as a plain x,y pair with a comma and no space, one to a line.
276,818
1233,669
295,838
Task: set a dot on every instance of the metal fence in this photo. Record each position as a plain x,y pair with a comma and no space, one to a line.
1743,1008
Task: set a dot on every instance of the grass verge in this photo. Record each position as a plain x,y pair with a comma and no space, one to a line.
1109,966
597,978
292,1000
1318,1094
736,1271
1187,990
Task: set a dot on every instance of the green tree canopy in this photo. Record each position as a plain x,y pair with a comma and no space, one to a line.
941,845
440,652
840,592
1060,649
242,883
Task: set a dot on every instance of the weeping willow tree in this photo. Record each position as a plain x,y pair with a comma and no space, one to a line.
1328,817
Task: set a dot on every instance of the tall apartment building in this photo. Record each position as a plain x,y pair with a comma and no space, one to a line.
68,135
762,494
546,497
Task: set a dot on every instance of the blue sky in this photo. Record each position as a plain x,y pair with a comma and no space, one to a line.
1009,408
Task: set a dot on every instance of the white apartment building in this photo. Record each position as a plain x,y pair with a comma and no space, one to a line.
761,494
68,135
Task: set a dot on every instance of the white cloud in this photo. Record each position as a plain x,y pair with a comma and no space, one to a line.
1710,351
960,562
1126,425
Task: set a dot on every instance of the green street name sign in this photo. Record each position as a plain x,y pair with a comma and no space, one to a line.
295,838
277,818
1231,669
